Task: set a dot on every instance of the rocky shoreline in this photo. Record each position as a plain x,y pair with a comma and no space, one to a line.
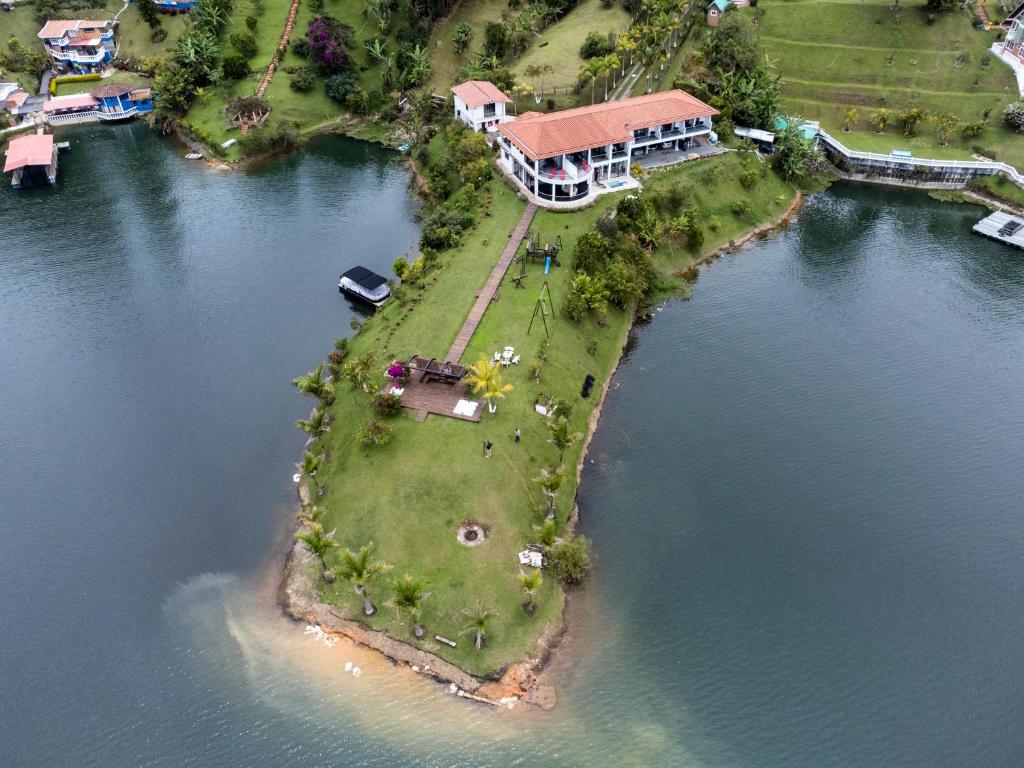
519,681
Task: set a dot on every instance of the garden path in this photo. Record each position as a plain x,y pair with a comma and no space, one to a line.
281,46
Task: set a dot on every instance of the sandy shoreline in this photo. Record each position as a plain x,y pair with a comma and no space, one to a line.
523,680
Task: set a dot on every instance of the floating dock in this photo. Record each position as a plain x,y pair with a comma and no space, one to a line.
1002,227
32,159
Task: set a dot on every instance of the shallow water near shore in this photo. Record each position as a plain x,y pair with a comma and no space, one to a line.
804,496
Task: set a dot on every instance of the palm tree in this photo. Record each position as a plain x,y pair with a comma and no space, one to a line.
609,63
310,515
849,118
531,583
409,593
495,391
589,73
485,378
319,543
547,532
310,465
314,384
315,426
562,436
550,480
419,66
479,618
357,569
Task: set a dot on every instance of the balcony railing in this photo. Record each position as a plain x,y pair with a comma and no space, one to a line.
120,115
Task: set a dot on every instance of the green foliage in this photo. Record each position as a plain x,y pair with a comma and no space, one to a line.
338,86
734,45
387,404
251,23
586,294
571,559
592,252
148,13
595,44
235,66
748,179
1013,115
245,44
794,156
262,139
357,102
462,37
399,266
374,432
742,209
303,80
318,541
495,40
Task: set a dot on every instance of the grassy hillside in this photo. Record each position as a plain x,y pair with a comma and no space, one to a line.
837,55
444,61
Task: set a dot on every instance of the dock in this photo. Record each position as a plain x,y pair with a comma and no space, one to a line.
1002,227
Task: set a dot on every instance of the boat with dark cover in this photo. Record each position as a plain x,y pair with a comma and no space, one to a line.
364,285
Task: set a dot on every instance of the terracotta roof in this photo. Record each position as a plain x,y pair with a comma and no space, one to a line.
573,130
110,90
29,150
141,93
476,93
18,98
69,102
61,27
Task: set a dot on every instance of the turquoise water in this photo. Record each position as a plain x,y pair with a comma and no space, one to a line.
804,497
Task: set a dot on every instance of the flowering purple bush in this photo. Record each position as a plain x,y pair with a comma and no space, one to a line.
396,370
326,36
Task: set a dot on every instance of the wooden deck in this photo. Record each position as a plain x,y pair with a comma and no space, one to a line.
436,397
486,295
992,227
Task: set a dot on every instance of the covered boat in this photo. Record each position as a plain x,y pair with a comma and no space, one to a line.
364,285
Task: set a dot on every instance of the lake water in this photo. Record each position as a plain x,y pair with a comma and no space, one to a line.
805,497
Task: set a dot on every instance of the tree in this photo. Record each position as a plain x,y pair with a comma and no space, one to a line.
479,619
849,119
594,45
945,124
550,480
245,44
547,532
609,64
495,40
318,542
315,426
880,119
589,72
485,379
357,101
235,66
531,582
314,385
592,252
562,436
408,595
417,69
311,464
359,570
911,118
571,559
794,156
461,38
148,13
734,45
338,87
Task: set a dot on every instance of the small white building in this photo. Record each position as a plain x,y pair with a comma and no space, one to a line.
479,104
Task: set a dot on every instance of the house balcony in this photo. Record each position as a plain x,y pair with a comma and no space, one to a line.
76,57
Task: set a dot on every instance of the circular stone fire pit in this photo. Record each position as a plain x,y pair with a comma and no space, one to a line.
472,533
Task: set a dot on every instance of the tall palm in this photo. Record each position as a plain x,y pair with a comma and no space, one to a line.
479,618
562,436
495,391
610,63
408,595
531,583
311,464
547,532
550,480
318,541
481,374
589,72
358,569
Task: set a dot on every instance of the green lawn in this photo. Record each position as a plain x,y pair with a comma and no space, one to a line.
837,55
444,61
133,35
128,78
409,496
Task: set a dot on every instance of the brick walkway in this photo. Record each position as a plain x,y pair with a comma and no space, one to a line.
281,46
491,286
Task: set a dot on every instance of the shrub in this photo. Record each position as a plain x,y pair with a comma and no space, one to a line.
399,266
387,404
748,179
245,44
571,559
463,34
340,85
495,40
1013,115
158,35
300,48
595,44
592,252
374,432
251,22
262,139
357,102
742,209
235,66
303,80
327,37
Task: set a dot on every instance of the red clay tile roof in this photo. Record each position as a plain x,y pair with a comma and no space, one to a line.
573,130
29,150
60,27
476,93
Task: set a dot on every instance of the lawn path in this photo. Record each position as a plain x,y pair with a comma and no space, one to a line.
485,296
281,46
844,47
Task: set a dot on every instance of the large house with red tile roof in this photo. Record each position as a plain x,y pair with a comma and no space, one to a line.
480,105
569,156
79,46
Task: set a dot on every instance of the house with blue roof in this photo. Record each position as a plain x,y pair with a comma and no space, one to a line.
717,9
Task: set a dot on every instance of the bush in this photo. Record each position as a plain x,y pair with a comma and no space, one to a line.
463,34
303,80
235,66
262,139
340,85
327,39
1013,115
595,44
374,432
443,228
300,48
158,35
245,44
592,252
387,404
251,22
748,179
399,266
742,209
571,559
357,102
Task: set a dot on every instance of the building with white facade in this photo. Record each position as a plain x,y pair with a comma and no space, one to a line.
571,156
79,46
480,105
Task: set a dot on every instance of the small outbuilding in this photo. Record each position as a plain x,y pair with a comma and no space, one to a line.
32,160
480,104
